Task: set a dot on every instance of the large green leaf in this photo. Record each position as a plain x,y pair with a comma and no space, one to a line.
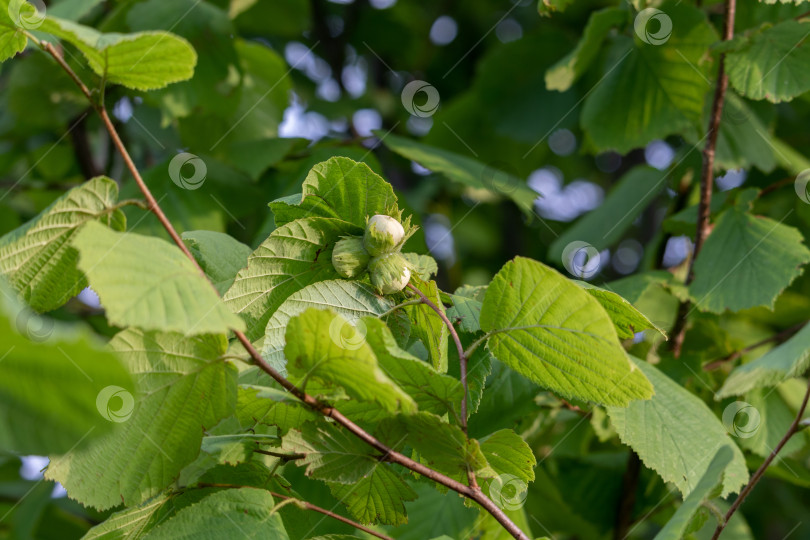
467,171
162,291
562,75
788,360
676,434
771,63
339,188
292,257
432,391
227,514
377,498
219,255
746,262
143,60
322,345
652,90
627,319
553,332
38,259
330,453
183,388
50,379
605,225
677,525
428,326
349,299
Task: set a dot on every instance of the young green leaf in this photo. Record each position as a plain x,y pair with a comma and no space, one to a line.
508,454
771,63
627,319
293,256
38,259
219,255
163,291
428,326
339,188
142,61
322,345
183,387
748,261
554,333
12,38
377,498
675,434
788,360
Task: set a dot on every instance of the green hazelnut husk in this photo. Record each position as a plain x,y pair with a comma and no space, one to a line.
384,234
389,272
349,257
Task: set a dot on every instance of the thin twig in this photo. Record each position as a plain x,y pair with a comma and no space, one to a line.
707,174
389,455
627,500
285,457
779,338
305,504
462,360
792,430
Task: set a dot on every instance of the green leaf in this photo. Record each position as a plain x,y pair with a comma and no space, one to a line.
219,255
268,406
562,75
771,63
339,188
432,391
788,360
439,514
747,261
226,514
441,446
508,454
677,525
344,361
554,333
547,7
293,256
428,326
377,498
423,266
330,453
38,259
163,291
627,319
349,299
604,226
183,388
764,429
465,312
50,382
675,434
650,91
741,137
142,61
132,523
466,171
12,38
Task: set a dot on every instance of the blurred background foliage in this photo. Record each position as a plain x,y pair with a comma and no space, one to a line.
283,84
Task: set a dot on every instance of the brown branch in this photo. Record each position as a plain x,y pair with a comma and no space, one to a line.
305,504
782,336
707,173
473,493
792,430
462,360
